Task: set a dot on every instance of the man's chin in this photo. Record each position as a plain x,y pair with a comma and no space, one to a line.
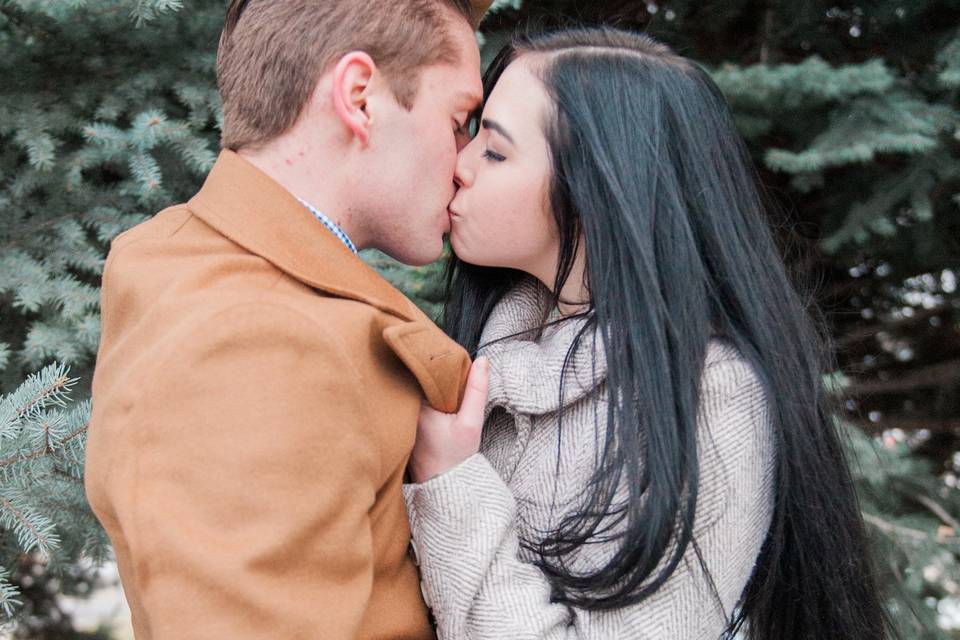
418,256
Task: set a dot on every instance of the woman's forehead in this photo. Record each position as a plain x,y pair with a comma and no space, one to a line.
519,97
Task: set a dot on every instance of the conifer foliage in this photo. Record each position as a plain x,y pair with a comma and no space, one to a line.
43,510
108,113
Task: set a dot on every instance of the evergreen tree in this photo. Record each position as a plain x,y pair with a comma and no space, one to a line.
107,114
43,511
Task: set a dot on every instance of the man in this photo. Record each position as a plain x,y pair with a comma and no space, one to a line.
257,386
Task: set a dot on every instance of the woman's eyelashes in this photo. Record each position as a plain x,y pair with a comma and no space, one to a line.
493,156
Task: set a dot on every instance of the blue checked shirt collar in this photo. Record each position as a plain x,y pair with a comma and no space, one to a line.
331,225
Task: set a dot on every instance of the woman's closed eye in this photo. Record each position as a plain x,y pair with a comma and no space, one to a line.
493,156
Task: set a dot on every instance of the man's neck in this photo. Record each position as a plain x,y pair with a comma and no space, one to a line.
309,179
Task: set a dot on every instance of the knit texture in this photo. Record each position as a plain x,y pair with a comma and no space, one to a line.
468,522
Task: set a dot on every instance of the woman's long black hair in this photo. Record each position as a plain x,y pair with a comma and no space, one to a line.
649,170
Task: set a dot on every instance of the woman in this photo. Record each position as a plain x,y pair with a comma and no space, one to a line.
657,457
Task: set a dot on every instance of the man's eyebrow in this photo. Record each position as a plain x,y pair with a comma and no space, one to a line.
494,126
470,97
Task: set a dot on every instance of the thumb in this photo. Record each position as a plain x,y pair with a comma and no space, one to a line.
475,393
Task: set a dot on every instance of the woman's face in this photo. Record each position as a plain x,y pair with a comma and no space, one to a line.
500,216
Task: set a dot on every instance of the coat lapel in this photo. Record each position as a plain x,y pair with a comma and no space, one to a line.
439,364
250,208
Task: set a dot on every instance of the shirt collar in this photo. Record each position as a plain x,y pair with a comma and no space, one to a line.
330,224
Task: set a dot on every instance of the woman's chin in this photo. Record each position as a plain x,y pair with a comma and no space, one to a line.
467,253
457,245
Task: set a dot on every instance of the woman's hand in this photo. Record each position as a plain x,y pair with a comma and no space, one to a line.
444,440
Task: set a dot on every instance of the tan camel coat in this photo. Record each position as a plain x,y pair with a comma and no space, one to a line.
255,402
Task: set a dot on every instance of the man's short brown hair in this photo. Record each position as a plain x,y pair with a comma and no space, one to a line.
272,52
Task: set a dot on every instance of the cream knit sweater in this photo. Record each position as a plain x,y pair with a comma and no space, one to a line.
466,523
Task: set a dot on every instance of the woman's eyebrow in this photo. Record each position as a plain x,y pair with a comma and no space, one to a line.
486,123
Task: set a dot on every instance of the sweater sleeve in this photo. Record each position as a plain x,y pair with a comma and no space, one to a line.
464,531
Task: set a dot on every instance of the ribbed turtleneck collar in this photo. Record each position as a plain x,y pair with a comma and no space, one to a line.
525,374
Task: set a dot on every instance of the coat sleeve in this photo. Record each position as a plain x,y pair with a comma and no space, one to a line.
254,470
464,530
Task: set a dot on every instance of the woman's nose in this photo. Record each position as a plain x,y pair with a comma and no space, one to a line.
463,173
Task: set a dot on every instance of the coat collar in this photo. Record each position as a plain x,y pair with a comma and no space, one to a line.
254,211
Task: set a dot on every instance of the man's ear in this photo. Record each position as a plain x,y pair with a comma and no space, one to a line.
351,84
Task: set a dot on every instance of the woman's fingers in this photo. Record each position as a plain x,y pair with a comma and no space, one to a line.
444,440
475,393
